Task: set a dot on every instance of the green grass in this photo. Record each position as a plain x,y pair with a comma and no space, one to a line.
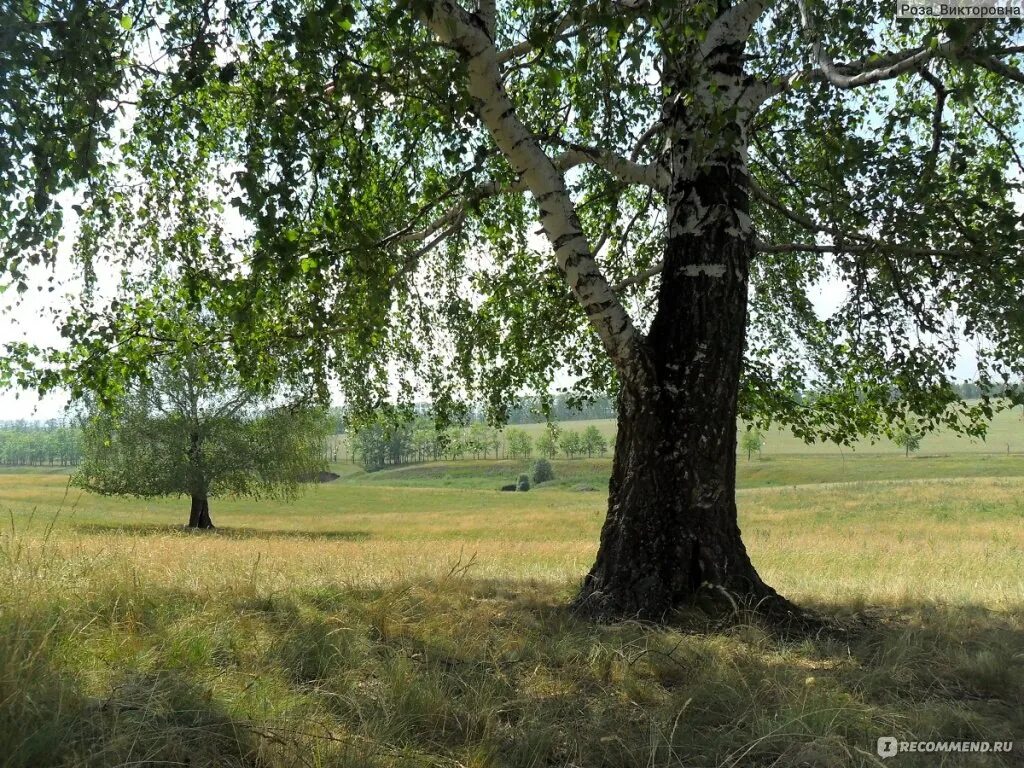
1005,435
416,617
765,471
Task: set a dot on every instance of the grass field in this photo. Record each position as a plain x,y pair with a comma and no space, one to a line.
1005,436
415,617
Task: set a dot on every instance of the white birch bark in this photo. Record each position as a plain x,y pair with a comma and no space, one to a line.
457,29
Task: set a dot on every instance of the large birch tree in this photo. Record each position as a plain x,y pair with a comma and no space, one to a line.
459,199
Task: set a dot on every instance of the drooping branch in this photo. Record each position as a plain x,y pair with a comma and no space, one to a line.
627,171
457,29
412,260
568,25
856,247
901,250
645,137
454,212
560,31
758,192
940,104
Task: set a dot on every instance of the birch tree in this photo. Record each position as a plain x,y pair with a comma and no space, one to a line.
449,198
189,432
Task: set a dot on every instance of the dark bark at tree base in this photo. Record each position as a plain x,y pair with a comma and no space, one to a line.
199,516
671,537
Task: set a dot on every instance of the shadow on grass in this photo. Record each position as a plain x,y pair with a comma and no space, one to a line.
461,671
141,718
159,529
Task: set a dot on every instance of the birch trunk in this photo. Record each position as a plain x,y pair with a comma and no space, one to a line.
672,531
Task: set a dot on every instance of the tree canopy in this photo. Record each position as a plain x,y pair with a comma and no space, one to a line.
188,432
386,225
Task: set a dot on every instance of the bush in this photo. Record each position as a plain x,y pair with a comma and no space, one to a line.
510,487
524,483
542,471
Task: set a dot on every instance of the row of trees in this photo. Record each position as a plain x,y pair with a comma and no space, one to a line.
31,445
383,442
571,443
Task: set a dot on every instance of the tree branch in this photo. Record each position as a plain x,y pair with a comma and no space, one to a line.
455,28
733,25
870,70
860,247
559,32
993,64
940,104
652,175
488,14
645,137
647,274
902,250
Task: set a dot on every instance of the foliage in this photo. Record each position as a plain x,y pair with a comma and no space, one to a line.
181,433
547,443
571,443
593,442
55,443
337,131
751,441
523,484
908,438
542,471
520,444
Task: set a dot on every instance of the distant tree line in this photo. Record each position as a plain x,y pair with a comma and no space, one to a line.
530,410
381,443
37,444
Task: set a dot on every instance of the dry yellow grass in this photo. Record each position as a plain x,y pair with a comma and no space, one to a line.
367,625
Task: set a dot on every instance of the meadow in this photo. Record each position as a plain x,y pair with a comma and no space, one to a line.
416,617
1005,435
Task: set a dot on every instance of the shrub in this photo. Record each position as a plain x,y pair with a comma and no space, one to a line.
907,439
542,471
752,441
510,487
593,442
524,483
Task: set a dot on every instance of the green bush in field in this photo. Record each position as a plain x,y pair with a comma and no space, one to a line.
542,471
593,442
524,483
752,441
908,440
